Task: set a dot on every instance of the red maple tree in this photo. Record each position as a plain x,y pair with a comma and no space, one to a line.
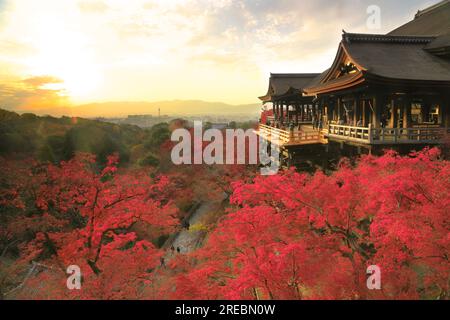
89,216
288,236
300,236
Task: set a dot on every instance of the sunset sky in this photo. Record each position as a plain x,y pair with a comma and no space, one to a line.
60,52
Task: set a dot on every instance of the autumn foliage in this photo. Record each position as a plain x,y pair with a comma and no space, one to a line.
79,214
287,236
297,236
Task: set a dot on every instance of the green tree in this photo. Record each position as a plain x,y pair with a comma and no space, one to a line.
158,134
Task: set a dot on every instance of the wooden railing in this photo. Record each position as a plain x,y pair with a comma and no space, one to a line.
357,134
271,133
290,137
369,135
272,119
408,135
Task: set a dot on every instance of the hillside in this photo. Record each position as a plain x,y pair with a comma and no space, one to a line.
53,139
175,107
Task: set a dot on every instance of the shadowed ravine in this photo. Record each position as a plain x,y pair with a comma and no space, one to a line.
187,240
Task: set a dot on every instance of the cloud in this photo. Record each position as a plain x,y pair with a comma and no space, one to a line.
217,58
3,7
15,48
220,50
92,6
31,94
37,82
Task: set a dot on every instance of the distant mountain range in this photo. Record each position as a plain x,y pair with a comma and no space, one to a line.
175,107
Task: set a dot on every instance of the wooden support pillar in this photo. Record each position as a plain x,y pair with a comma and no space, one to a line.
333,111
407,112
286,116
321,111
393,122
287,113
278,111
330,110
275,110
339,107
356,111
425,111
377,105
441,102
281,112
296,114
363,114
446,112
443,112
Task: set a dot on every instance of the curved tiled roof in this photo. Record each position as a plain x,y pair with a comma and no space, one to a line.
281,83
318,79
397,57
415,54
385,58
440,46
432,21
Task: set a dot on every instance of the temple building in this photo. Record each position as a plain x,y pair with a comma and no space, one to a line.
291,109
383,90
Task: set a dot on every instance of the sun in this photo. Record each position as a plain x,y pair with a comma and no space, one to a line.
66,55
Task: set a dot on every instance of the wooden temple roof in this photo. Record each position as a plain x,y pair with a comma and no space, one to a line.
384,58
440,46
399,57
433,21
414,55
281,84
